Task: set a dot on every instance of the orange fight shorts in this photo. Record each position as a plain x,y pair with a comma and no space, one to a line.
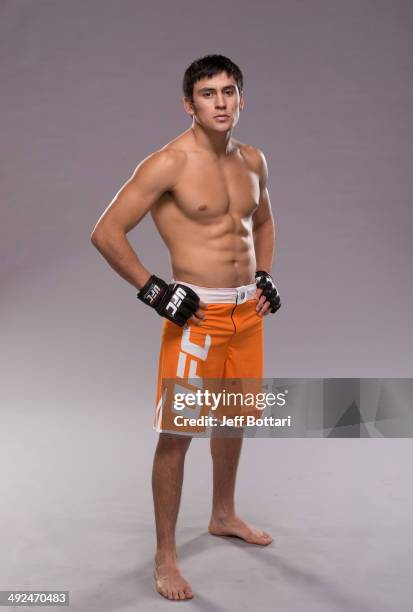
228,344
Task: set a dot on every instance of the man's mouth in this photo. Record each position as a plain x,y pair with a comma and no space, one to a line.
221,117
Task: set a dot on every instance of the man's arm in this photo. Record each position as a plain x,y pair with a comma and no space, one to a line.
263,226
155,175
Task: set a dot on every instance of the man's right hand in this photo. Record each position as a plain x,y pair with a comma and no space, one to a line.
175,301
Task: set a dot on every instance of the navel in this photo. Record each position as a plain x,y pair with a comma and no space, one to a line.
203,207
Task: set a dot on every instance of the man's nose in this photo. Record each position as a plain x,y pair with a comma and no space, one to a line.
220,101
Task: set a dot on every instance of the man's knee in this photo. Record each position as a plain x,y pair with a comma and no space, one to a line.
174,443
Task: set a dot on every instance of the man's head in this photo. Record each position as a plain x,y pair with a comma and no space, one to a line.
213,85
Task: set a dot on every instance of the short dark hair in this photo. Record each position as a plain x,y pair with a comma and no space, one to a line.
209,66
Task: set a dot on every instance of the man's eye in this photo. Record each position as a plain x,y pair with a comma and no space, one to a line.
229,91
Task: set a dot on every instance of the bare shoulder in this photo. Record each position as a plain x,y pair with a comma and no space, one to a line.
161,169
254,157
167,159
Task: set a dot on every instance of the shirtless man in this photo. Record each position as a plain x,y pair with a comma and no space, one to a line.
207,194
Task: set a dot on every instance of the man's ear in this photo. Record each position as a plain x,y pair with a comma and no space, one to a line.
241,102
188,106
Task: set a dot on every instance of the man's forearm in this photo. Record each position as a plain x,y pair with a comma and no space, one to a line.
119,254
264,243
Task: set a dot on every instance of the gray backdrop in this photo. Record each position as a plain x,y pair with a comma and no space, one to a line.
89,88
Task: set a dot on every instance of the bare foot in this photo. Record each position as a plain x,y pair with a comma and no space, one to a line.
234,526
169,581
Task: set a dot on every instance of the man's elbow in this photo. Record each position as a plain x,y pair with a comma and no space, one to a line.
99,236
104,235
95,237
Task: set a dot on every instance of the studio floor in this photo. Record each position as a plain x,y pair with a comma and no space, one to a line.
77,515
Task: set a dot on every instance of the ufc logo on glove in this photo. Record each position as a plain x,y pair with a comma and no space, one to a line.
176,300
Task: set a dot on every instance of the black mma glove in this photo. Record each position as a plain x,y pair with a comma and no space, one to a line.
264,281
175,302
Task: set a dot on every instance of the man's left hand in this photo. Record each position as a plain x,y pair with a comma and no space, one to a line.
268,299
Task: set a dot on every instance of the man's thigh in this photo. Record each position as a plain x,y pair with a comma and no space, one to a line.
245,352
244,364
188,356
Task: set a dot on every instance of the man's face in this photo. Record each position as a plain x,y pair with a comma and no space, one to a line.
213,97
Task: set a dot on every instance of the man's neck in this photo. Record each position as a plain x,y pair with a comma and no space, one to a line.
218,144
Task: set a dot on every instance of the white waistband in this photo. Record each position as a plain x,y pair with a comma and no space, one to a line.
222,295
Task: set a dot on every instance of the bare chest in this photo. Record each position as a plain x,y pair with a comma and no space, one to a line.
207,190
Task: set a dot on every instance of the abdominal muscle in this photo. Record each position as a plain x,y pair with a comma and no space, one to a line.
219,253
206,268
